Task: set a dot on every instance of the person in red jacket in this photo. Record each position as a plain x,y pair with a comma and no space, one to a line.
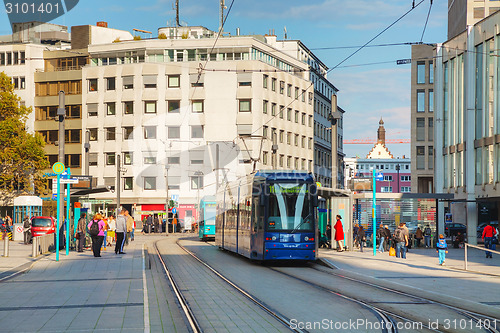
339,234
488,234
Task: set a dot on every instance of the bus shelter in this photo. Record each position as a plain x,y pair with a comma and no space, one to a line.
338,202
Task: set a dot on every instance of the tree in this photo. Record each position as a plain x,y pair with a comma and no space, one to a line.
22,157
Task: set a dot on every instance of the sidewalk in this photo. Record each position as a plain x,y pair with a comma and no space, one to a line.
83,293
421,272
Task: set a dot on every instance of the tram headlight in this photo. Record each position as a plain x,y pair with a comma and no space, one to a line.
306,238
273,238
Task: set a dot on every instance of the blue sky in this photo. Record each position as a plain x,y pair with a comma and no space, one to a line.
366,92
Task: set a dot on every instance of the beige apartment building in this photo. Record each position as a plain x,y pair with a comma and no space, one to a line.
464,13
422,118
149,102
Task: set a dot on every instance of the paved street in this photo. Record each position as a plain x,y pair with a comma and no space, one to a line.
83,293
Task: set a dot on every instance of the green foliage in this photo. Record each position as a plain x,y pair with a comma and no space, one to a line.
162,36
22,157
137,37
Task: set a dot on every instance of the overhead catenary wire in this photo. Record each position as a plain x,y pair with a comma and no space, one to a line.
426,21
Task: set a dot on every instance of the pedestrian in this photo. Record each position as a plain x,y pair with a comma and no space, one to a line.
381,238
130,224
121,228
149,223
98,239
401,239
156,224
388,238
322,240
442,249
328,234
459,240
111,230
339,234
427,236
133,231
488,234
361,237
81,229
27,230
419,235
355,234
106,227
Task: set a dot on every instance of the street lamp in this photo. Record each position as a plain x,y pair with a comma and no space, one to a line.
398,167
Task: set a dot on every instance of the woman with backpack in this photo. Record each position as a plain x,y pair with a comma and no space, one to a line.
96,232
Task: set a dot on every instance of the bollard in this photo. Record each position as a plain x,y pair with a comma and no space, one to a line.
5,245
34,248
149,228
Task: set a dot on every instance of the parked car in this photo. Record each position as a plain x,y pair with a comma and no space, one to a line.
452,229
42,225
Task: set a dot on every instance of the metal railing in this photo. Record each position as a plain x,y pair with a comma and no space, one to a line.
476,247
43,244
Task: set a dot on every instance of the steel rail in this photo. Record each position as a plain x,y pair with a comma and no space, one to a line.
193,323
281,318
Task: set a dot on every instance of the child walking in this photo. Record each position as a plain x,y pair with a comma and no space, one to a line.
442,249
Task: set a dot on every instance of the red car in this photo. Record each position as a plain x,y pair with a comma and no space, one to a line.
42,225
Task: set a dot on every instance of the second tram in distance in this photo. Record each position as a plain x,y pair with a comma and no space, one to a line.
269,215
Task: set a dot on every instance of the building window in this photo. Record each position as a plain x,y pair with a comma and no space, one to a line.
430,165
128,158
296,116
289,114
431,72
150,107
93,134
420,72
111,109
174,132
245,105
128,82
386,189
92,84
303,118
303,95
405,189
431,100
174,81
282,87
406,178
289,90
420,157
110,83
127,133
420,129
197,106
92,110
149,159
174,106
92,159
296,141
273,109
273,84
128,183
196,182
245,83
110,159
264,81
296,93
388,178
420,100
289,138
264,107
128,107
282,111
149,81
264,157
149,132
149,183
431,129
282,160
174,160
197,132
289,161
264,131
110,133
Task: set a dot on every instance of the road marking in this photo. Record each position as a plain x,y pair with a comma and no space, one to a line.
147,328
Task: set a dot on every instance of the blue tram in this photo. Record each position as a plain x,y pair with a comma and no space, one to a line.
270,215
206,217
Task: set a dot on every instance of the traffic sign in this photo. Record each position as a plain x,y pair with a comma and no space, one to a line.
54,196
58,168
174,210
379,176
69,181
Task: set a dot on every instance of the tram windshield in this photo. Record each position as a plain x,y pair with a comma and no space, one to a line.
290,208
210,213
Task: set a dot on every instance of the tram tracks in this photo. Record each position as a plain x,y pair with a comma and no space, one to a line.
478,318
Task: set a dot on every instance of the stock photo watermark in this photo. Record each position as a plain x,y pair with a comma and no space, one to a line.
41,11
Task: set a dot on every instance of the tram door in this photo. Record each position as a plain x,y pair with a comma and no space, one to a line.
257,230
